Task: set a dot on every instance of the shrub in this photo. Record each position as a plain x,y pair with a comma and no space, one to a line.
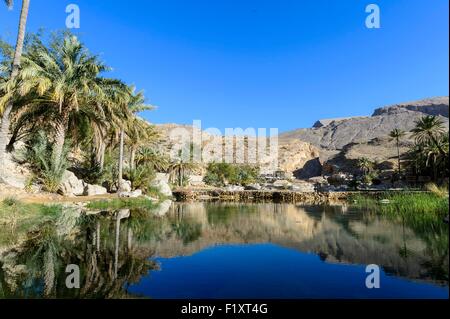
220,174
48,170
140,177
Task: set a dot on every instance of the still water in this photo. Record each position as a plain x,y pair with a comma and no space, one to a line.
227,250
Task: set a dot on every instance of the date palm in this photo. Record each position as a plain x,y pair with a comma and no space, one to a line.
365,165
137,130
397,134
67,79
6,109
428,130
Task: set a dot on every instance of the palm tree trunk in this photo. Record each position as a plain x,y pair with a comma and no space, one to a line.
132,158
398,157
121,159
102,156
60,137
4,128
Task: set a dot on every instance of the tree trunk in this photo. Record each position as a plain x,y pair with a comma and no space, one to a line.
398,157
116,247
60,137
100,155
121,159
4,128
132,158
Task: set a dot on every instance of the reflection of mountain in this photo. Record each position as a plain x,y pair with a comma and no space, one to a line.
337,234
114,249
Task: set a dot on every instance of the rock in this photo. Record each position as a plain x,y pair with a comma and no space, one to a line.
283,184
93,190
134,194
310,169
253,187
338,179
12,173
234,188
126,186
161,182
334,134
196,180
303,187
318,180
71,185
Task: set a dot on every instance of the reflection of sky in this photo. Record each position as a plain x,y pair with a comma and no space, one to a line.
270,271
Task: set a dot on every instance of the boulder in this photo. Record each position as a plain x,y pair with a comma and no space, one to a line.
303,187
283,184
133,194
338,179
93,190
71,185
234,188
161,182
253,187
196,180
125,186
12,173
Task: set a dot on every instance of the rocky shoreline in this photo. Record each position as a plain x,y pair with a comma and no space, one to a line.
270,196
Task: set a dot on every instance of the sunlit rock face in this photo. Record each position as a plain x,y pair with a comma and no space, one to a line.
269,155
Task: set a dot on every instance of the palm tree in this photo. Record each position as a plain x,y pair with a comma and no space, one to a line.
397,134
67,79
365,165
6,111
428,130
135,103
157,161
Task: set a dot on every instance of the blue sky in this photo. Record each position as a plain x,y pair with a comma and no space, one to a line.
261,63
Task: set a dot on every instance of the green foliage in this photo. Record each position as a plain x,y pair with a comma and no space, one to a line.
17,218
140,177
220,174
148,156
423,211
430,154
49,171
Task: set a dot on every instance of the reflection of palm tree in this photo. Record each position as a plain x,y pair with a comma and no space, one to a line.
403,251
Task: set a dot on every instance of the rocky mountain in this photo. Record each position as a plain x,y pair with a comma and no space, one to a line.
342,141
336,142
334,134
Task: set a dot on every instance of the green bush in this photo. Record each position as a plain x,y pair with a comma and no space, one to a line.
220,174
140,177
48,170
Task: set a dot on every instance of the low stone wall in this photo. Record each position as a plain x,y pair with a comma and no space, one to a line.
259,196
271,195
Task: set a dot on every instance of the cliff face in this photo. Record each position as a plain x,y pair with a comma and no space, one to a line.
291,157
